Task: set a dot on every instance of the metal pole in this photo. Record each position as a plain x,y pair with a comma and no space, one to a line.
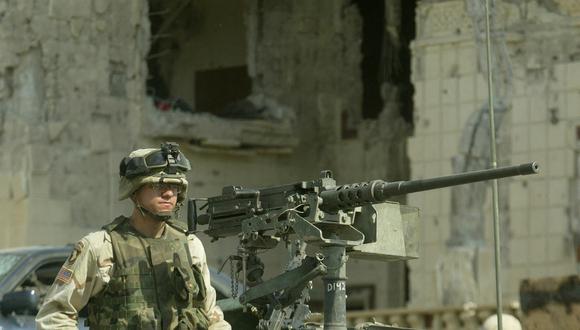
496,225
335,287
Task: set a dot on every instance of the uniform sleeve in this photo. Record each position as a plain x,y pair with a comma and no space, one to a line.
77,281
215,314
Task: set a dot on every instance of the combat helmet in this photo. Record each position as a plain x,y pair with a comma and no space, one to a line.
166,164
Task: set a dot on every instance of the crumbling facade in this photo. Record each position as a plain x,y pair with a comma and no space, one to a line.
535,53
84,82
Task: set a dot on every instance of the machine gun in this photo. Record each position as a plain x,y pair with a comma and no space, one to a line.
340,221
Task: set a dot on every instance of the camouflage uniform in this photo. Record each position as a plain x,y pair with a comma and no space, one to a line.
89,271
130,281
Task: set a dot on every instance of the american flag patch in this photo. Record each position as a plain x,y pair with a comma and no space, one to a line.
64,275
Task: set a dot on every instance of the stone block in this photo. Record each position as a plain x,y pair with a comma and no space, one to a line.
450,146
19,186
431,121
432,63
449,91
559,78
416,148
432,94
444,226
431,230
101,6
432,169
55,128
573,104
15,218
558,192
466,89
519,83
432,204
50,211
518,251
100,137
538,249
467,60
558,221
519,221
39,186
65,9
5,183
450,118
539,271
420,289
431,254
538,222
520,110
520,138
44,28
570,163
519,196
538,108
557,135
466,110
559,248
538,136
573,75
7,56
432,147
481,92
419,95
556,166
449,62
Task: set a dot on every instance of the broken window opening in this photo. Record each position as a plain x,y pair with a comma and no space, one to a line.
373,29
387,32
216,90
199,81
197,61
407,34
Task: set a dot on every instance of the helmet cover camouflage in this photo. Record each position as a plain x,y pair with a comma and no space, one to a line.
129,185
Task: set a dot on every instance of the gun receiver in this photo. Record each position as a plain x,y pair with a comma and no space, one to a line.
351,195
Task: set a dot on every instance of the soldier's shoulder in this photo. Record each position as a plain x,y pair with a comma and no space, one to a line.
97,240
193,239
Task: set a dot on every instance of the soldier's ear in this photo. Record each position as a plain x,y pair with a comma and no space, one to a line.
133,197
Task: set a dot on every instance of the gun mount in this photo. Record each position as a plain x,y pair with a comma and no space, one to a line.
346,220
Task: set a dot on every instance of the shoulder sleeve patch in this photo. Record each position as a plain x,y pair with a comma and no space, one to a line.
75,253
64,275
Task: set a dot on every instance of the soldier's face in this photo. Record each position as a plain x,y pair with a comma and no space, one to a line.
158,198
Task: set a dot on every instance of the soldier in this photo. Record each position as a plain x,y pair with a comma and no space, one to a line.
141,272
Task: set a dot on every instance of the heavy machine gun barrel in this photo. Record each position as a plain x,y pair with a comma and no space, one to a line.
352,195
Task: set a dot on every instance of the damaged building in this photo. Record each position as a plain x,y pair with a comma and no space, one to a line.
261,93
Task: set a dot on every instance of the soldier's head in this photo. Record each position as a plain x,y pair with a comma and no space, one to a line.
154,179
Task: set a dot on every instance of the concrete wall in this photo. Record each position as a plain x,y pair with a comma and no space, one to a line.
536,57
73,103
70,81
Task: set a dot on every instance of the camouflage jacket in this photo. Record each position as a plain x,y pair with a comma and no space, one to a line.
89,270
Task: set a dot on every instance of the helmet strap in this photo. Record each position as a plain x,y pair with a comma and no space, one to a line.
155,216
